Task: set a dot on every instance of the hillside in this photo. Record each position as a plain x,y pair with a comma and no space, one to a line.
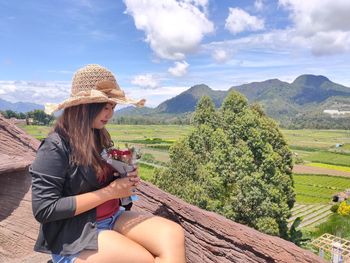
307,96
19,106
187,100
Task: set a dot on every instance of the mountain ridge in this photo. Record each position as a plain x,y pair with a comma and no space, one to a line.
307,95
19,106
305,98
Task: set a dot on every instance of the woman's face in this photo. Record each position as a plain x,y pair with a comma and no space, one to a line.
103,117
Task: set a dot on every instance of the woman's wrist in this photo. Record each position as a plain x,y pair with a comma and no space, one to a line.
106,193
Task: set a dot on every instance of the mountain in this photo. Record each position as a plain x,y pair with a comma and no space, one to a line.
19,106
187,100
307,94
131,110
316,89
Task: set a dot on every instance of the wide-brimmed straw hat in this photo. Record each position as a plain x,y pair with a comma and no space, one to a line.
93,84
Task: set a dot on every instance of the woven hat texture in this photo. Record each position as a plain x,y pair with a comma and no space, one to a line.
87,77
93,84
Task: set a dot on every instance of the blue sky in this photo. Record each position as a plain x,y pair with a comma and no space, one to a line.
158,49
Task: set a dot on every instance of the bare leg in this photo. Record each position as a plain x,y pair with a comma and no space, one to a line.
161,237
114,247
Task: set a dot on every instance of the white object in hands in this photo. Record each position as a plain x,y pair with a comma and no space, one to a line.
122,168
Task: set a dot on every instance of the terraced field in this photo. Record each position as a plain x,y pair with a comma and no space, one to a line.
314,197
312,214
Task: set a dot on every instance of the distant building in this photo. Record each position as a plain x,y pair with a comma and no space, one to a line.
29,121
338,109
337,112
342,196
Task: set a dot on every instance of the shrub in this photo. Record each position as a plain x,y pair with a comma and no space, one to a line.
334,208
344,209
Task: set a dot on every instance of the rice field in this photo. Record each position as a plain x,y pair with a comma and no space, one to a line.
330,166
311,214
318,189
317,139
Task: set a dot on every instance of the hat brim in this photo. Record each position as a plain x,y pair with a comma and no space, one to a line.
78,100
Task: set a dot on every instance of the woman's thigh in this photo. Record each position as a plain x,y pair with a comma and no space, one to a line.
158,235
113,247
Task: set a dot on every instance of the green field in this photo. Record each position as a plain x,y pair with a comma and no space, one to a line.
319,146
121,133
317,139
318,189
330,166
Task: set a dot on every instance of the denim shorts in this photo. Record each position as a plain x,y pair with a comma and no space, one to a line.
105,224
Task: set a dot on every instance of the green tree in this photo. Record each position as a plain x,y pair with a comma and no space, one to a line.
9,114
295,234
236,163
40,117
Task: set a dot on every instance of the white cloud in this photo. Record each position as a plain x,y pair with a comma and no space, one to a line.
221,55
324,25
179,69
35,91
7,87
146,81
173,28
238,21
259,5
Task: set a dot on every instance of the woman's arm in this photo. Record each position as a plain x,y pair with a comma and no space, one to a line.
48,176
119,188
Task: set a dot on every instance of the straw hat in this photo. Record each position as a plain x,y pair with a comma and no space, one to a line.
93,84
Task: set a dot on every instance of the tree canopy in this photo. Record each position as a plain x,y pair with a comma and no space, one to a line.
236,163
39,116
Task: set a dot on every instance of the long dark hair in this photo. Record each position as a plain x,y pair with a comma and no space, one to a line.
86,143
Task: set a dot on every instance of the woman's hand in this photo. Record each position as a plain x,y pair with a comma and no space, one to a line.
119,188
134,177
124,187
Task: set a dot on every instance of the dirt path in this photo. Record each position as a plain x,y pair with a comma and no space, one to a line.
303,169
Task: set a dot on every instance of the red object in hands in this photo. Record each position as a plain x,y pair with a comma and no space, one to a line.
121,155
116,152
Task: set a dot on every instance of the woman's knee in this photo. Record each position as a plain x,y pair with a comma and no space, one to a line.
172,233
114,247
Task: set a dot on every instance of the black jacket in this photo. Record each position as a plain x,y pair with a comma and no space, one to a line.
54,184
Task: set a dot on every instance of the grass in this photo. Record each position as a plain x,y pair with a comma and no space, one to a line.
142,132
151,141
39,132
318,189
146,172
329,158
330,166
336,225
319,139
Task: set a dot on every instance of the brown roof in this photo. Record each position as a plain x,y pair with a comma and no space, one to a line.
17,149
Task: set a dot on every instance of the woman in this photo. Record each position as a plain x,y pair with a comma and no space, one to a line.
74,194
